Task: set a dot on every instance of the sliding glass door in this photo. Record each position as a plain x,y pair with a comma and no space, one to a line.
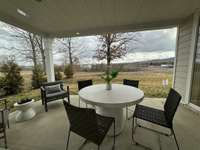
195,90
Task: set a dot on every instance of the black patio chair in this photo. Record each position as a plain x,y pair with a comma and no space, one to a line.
52,91
83,84
3,126
133,83
159,117
87,124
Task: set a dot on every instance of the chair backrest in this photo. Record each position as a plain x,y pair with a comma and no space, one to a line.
83,121
84,83
171,105
52,83
134,83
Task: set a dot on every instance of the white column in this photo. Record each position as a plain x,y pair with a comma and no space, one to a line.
49,59
193,48
185,52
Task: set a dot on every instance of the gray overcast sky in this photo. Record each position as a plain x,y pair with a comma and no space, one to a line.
155,44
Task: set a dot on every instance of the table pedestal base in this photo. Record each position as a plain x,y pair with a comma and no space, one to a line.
25,114
117,113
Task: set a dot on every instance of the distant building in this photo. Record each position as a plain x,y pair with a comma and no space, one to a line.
166,65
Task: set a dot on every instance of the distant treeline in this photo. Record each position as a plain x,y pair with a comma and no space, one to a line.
136,66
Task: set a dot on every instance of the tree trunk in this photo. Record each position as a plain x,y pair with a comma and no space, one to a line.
31,38
70,51
108,53
70,54
40,44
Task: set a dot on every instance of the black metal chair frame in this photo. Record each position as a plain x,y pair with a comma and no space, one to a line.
83,84
133,83
167,124
45,100
87,136
6,109
3,128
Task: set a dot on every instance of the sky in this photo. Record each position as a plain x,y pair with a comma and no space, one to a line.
153,44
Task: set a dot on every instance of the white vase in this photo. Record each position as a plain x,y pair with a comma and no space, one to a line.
108,86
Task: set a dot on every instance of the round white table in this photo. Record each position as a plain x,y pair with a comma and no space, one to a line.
26,111
112,102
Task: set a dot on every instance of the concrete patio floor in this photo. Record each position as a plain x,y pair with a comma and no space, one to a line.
48,131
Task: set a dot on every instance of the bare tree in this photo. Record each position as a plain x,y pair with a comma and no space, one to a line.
113,45
72,50
39,40
30,47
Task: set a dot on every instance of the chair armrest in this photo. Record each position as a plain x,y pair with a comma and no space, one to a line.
43,92
51,83
42,88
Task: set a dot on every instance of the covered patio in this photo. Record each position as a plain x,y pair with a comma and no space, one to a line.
48,131
64,18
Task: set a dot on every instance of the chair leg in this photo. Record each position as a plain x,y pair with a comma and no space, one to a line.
5,138
68,139
175,139
126,112
45,107
159,142
98,147
79,102
114,136
134,125
42,102
8,123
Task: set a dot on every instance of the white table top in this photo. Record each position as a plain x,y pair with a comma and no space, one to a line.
120,95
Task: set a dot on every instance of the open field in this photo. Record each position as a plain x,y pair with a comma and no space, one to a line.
150,83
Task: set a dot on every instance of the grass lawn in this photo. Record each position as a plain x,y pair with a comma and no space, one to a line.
150,83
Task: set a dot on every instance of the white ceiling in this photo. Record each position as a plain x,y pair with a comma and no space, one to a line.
67,17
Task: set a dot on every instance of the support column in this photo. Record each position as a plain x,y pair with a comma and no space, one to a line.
193,48
49,59
185,52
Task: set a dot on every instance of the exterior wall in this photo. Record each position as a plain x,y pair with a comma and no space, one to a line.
186,41
182,55
195,93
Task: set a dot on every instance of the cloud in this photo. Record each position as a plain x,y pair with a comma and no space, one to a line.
133,57
152,45
155,40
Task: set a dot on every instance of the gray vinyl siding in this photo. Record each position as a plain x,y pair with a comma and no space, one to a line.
195,94
198,48
182,56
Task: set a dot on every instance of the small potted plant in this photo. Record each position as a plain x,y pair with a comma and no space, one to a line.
24,100
108,77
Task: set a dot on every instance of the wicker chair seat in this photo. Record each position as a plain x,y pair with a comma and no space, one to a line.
53,96
103,124
151,114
